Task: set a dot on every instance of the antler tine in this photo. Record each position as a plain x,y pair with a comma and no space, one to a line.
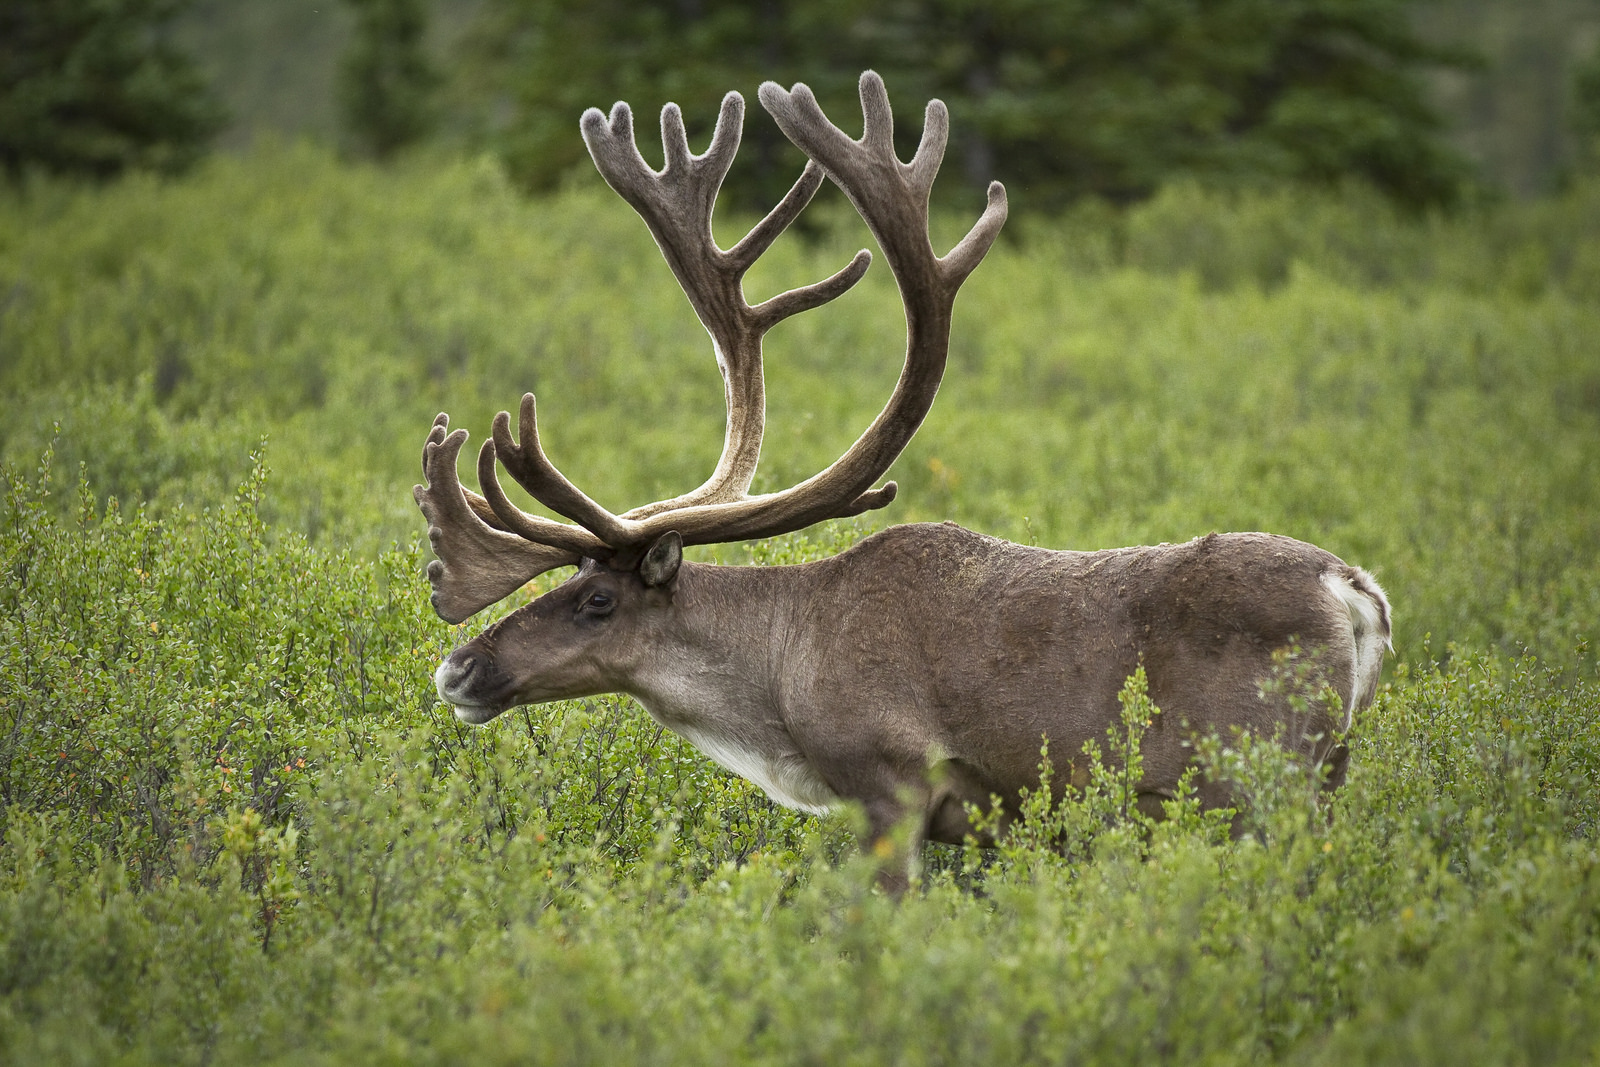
877,126
924,166
533,527
477,565
964,258
769,313
750,247
533,470
675,143
480,507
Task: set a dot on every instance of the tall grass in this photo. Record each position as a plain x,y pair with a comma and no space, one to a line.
236,823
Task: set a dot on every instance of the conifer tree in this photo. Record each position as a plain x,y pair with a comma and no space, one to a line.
1061,99
387,84
94,87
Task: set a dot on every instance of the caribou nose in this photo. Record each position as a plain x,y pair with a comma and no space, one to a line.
469,683
453,676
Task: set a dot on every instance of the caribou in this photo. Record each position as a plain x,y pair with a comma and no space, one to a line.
916,673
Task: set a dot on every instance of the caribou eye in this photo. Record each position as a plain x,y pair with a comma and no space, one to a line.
599,603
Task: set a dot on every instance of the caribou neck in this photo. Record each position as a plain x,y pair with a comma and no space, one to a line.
712,675
715,662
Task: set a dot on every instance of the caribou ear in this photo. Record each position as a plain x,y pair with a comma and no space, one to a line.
660,564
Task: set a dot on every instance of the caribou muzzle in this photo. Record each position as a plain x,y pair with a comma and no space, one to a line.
473,685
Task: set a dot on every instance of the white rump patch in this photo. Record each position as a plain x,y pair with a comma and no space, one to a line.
1369,625
788,779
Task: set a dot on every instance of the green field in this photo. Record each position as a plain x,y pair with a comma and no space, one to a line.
238,826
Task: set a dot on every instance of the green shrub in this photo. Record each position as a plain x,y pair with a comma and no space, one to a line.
98,88
248,830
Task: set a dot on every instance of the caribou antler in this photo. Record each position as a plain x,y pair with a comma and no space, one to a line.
677,203
478,563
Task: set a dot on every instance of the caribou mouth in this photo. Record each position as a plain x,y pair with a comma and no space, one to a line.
476,714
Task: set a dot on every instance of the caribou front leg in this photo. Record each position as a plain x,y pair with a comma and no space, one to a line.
928,806
896,828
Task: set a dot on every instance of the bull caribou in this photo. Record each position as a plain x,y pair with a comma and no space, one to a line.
917,672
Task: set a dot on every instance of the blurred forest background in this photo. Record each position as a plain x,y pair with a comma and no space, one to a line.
1426,100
